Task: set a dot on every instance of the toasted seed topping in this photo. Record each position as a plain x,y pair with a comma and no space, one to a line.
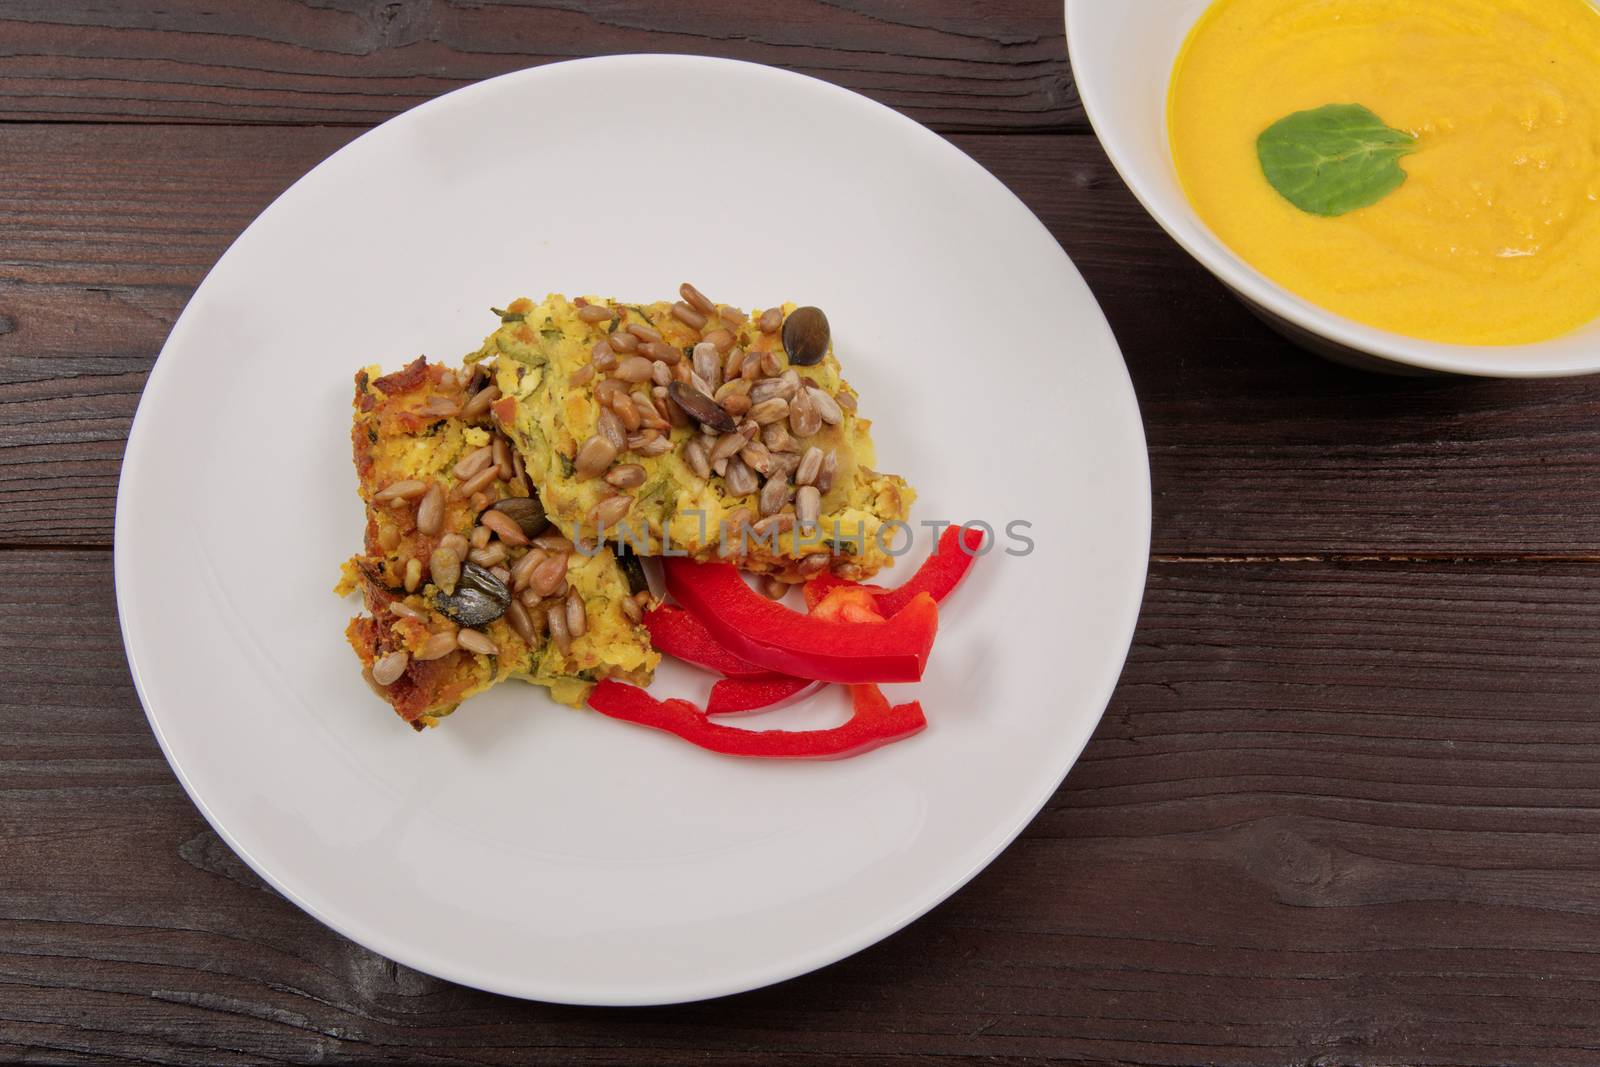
442,406
596,313
774,495
522,572
770,320
720,340
643,332
734,528
813,564
803,417
659,446
806,336
694,454
772,409
780,522
830,466
736,404
594,456
437,646
810,466
627,476
626,410
603,357
556,619
388,669
548,575
476,641
610,427
707,365
623,341
413,574
660,350
582,376
500,449
577,616
757,458
771,363
808,505
388,536
444,568
732,315
773,388
404,610
430,513
630,608
482,480
634,369
473,462
491,556
727,445
610,511
732,363
521,622
827,407
661,373
480,401
480,537
409,489
526,511
696,299
688,316
504,527
701,407
740,479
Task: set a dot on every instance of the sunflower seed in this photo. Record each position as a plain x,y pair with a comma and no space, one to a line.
627,476
501,572
732,315
552,542
696,299
608,426
688,316
482,480
430,513
772,409
634,369
803,417
388,536
771,319
480,401
813,564
522,572
581,377
596,313
776,438
756,457
733,363
736,404
631,608
808,506
577,616
735,530
774,589
476,641
622,341
830,466
780,523
480,537
708,365
387,669
548,576
504,527
436,646
661,374
720,340
642,438
846,401
774,495
444,568
626,410
741,480
594,456
827,407
500,449
660,350
404,610
521,622
473,462
441,406
694,454
727,445
810,466
643,332
556,619
491,556
409,489
787,462
658,446
610,511
785,387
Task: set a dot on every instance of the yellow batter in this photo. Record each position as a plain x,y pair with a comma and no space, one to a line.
1494,238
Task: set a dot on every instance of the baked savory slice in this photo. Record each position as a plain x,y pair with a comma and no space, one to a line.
694,427
466,582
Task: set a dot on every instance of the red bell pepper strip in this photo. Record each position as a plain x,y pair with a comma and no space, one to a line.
678,633
732,696
939,574
785,641
873,724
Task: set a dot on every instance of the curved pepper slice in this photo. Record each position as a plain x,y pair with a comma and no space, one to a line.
732,696
874,724
678,633
939,574
786,642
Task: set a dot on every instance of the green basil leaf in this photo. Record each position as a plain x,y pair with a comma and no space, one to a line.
1333,159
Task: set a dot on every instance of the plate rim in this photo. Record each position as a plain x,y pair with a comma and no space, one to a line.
692,990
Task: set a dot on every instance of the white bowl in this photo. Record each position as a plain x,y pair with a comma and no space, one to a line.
1122,57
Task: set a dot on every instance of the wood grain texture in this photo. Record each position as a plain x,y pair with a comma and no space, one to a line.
1335,814
951,64
1256,448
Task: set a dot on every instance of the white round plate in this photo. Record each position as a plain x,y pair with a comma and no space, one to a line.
535,850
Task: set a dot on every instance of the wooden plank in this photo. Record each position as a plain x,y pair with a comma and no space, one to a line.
947,63
1257,448
1334,814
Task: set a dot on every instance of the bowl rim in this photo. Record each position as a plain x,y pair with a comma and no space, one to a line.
1528,360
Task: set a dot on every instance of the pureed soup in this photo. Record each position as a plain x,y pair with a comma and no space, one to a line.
1430,167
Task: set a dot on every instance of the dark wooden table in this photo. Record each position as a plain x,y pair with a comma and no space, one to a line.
1344,808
